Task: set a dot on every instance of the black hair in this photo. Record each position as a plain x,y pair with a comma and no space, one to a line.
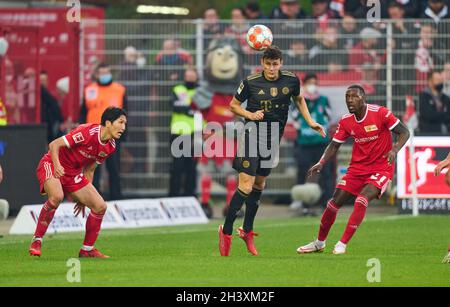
394,3
101,65
253,6
272,53
309,76
357,87
111,114
430,74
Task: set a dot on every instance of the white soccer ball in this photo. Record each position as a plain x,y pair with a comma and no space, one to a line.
259,37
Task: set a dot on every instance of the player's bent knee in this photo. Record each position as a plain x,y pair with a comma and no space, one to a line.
259,185
56,199
246,188
100,209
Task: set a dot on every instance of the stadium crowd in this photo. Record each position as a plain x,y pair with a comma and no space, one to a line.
334,42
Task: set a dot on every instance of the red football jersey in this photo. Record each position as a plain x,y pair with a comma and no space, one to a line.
372,137
83,148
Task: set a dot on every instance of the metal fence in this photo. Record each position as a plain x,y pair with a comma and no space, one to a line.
391,59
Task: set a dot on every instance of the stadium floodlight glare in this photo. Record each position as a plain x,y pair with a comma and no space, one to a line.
165,10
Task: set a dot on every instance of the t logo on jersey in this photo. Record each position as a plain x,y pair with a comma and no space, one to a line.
78,138
102,154
371,128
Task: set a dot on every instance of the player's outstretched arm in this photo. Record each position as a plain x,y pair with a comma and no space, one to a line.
1,174
303,108
402,133
54,152
329,152
236,108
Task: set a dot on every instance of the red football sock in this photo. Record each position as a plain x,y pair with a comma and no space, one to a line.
206,182
328,218
359,211
45,218
93,224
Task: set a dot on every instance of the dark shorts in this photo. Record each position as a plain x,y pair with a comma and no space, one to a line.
255,158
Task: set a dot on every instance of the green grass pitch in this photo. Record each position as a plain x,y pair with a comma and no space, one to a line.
409,249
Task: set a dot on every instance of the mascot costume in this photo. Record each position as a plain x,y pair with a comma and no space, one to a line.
223,72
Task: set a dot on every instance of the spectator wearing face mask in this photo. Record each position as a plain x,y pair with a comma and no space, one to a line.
99,96
183,171
310,145
434,107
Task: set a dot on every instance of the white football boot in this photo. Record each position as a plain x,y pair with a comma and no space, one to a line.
446,258
313,247
339,248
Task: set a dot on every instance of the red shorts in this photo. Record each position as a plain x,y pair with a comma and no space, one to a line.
355,183
70,182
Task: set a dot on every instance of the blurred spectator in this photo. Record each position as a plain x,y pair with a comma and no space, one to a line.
446,77
322,13
424,62
404,44
171,61
311,145
288,9
134,76
296,56
365,51
327,52
238,28
43,78
183,171
97,98
434,107
338,7
50,110
411,8
370,81
212,28
349,32
253,11
62,92
436,10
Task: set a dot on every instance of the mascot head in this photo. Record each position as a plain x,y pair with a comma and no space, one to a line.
224,65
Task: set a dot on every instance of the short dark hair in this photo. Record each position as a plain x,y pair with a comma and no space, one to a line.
253,6
101,65
309,76
111,114
394,3
357,87
272,53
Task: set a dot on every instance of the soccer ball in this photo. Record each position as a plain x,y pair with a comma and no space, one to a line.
259,37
